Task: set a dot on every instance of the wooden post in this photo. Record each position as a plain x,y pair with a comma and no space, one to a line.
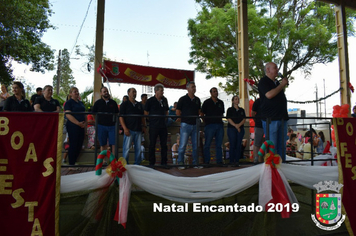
98,48
341,31
242,46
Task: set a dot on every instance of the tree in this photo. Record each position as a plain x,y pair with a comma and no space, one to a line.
84,95
89,56
22,24
294,34
66,78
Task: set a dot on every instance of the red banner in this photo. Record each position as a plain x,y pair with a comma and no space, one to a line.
30,172
345,133
145,75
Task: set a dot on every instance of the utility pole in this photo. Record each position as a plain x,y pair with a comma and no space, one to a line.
59,71
316,98
324,99
98,48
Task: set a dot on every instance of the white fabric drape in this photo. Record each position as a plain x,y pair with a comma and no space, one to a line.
199,189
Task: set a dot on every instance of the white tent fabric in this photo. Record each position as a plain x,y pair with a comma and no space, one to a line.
198,189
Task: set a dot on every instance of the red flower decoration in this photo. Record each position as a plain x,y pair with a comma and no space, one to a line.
249,81
351,87
273,160
117,168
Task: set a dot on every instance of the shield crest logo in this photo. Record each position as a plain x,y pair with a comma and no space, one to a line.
328,208
115,69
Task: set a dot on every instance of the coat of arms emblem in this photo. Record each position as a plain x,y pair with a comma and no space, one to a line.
115,69
328,206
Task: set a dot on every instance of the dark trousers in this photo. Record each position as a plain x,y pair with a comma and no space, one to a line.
76,137
235,139
153,134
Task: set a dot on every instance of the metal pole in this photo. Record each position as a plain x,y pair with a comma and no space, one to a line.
117,127
96,137
324,99
311,145
59,72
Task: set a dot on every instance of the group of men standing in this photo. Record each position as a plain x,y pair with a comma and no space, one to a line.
272,104
156,108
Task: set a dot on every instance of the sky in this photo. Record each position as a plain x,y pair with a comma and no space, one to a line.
155,33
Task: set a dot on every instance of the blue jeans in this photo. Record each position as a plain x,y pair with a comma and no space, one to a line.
235,139
105,133
187,130
277,134
135,137
211,131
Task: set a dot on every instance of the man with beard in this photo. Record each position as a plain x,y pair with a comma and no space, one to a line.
106,122
213,110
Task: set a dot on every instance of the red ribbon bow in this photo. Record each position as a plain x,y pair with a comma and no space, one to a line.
117,169
351,87
273,160
249,81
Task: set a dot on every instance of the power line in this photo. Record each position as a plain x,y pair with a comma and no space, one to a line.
315,101
128,31
85,17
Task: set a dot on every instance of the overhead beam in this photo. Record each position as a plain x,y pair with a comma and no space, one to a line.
346,3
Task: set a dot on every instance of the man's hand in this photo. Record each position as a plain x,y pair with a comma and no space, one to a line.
127,132
284,82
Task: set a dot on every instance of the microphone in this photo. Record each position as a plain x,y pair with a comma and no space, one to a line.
282,77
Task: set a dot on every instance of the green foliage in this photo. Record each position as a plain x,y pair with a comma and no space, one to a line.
117,100
22,24
66,78
294,34
85,95
89,55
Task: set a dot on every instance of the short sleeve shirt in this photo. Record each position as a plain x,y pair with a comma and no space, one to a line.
12,104
156,107
129,108
74,106
236,115
211,108
109,106
45,105
189,107
276,107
